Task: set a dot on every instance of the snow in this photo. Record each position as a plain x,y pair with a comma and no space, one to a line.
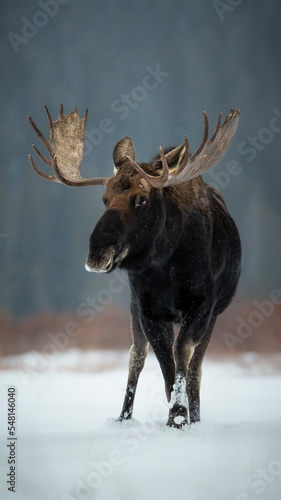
70,447
178,395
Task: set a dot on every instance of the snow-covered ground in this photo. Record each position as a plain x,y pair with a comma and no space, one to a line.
69,446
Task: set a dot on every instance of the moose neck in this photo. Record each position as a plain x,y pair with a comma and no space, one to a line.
179,203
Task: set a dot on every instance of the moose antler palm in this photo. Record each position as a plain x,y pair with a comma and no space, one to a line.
66,147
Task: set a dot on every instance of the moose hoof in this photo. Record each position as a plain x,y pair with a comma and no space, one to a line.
124,416
194,414
194,419
177,422
177,417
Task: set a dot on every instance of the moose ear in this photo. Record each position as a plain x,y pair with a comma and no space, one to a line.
123,148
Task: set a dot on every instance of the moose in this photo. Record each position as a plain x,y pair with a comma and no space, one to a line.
173,235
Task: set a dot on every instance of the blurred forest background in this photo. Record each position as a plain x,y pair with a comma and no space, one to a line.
196,55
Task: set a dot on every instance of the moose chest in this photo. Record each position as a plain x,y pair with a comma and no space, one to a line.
160,293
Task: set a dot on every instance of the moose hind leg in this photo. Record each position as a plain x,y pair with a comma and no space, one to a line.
178,414
194,374
189,350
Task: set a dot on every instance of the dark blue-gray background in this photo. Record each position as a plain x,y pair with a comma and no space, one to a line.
212,56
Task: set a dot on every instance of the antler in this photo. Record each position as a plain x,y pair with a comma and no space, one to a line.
207,155
66,147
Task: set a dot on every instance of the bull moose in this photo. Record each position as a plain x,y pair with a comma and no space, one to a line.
173,234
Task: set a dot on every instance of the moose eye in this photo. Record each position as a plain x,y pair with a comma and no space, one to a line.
140,201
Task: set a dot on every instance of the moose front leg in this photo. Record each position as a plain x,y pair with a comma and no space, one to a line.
160,335
136,364
138,353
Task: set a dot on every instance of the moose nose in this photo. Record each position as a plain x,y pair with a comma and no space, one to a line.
102,267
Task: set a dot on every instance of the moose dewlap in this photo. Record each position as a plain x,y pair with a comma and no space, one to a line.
173,234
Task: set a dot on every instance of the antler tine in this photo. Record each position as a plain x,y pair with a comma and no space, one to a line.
50,122
165,171
156,182
216,129
41,174
66,146
205,136
185,158
228,117
42,157
46,144
150,178
45,160
40,135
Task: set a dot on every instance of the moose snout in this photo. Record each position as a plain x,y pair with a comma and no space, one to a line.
106,243
100,265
